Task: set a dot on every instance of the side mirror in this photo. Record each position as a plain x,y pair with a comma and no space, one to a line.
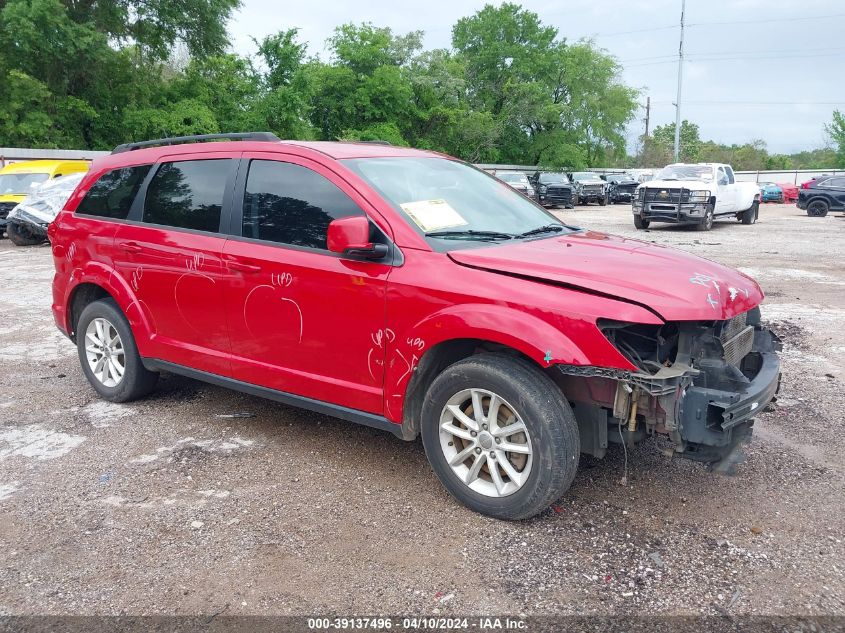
351,237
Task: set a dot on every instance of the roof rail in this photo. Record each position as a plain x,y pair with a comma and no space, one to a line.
200,138
374,142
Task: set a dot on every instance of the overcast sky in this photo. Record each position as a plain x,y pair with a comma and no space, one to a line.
774,71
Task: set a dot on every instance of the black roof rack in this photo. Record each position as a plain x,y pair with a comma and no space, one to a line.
200,138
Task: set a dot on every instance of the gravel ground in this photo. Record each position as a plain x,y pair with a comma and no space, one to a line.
164,507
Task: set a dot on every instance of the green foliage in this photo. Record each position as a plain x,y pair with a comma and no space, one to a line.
836,131
663,140
86,74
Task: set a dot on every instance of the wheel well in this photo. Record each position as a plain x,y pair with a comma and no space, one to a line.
432,364
818,199
82,295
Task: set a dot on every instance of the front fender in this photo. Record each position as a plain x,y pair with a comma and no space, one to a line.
542,341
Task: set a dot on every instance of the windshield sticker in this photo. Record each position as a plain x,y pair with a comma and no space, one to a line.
433,215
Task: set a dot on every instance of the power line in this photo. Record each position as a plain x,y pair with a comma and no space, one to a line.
747,21
763,103
767,21
722,59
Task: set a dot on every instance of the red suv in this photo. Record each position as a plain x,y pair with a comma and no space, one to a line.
411,292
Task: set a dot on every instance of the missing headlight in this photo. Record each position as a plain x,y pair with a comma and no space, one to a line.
648,347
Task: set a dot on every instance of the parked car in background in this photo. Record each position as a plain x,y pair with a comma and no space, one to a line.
18,180
28,221
695,194
518,180
410,292
790,191
824,194
553,189
620,188
770,192
588,187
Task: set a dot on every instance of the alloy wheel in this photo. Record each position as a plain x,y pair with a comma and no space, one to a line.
485,442
105,353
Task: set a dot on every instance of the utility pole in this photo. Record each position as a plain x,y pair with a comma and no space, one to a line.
680,81
647,114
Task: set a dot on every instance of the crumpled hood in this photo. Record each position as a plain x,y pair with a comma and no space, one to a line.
674,284
694,185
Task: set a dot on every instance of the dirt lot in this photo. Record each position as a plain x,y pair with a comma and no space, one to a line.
166,506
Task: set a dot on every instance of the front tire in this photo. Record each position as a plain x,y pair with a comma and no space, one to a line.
20,236
500,436
108,354
749,216
707,222
640,223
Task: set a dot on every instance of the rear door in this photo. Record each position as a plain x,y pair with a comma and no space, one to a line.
835,188
169,253
303,320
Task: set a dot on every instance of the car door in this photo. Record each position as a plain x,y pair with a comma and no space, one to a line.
835,189
169,253
725,196
302,319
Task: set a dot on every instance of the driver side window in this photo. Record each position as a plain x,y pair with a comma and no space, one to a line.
722,177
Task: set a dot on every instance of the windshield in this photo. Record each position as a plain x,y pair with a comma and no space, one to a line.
686,172
438,195
512,177
584,175
551,178
20,183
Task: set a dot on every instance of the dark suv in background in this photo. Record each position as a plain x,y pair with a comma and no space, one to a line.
553,189
822,195
620,188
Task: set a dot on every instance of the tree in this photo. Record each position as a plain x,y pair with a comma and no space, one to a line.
690,140
551,103
836,131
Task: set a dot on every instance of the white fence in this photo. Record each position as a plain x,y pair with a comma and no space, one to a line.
18,154
793,176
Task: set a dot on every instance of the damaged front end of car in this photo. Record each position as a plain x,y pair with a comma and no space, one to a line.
699,383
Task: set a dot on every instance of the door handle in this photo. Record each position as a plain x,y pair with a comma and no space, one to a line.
244,268
130,247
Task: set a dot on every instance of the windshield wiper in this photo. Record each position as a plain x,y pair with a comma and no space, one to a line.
472,234
549,228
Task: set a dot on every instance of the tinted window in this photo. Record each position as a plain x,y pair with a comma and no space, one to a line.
188,194
112,195
837,183
291,204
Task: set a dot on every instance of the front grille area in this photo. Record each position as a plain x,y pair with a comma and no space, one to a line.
627,188
559,195
5,207
739,346
737,338
669,196
596,189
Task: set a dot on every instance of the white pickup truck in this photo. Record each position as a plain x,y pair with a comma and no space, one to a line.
695,194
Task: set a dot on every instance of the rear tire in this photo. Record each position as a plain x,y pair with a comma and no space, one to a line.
98,323
20,236
548,443
640,223
749,216
818,209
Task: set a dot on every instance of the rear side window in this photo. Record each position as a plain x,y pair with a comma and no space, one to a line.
188,194
112,195
291,204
